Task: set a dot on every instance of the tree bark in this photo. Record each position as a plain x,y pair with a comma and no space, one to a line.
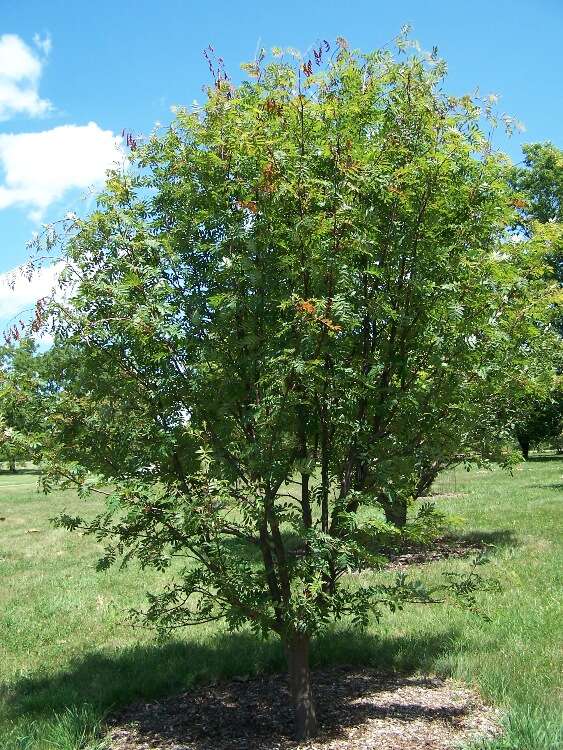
396,513
297,652
12,465
426,479
524,446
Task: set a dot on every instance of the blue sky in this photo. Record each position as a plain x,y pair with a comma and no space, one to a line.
74,74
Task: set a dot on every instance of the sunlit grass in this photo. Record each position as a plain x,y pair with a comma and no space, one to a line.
68,653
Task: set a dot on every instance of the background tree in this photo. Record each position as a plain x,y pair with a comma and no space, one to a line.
274,324
9,451
540,179
540,185
543,421
20,412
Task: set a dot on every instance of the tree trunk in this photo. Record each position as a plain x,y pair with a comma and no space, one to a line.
524,446
297,652
396,513
12,465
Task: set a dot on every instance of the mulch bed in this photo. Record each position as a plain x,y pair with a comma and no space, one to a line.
441,549
358,709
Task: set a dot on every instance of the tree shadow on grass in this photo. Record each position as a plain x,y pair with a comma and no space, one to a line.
544,458
486,539
20,473
557,486
109,679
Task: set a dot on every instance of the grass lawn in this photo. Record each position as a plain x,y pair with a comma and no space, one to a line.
68,654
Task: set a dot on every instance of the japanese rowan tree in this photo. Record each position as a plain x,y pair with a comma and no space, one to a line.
267,320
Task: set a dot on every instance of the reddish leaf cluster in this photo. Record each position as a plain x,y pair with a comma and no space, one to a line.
14,333
268,177
308,68
272,106
130,141
39,317
249,205
318,55
216,67
307,307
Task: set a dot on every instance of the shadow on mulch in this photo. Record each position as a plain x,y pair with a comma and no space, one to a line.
355,707
452,546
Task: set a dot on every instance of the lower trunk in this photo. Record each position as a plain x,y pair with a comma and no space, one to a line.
12,466
426,480
297,652
396,513
524,447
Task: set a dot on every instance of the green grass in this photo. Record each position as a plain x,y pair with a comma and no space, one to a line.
68,653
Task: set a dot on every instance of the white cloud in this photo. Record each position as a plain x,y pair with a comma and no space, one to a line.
39,168
20,72
18,294
43,43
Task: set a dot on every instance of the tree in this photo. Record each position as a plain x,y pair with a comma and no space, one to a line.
19,391
274,320
540,185
543,421
8,450
540,181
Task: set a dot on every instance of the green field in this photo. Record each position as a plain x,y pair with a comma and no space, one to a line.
68,653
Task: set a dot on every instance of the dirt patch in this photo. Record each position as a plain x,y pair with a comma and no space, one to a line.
358,709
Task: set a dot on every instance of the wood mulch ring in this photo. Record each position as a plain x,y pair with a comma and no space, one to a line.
358,709
441,549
